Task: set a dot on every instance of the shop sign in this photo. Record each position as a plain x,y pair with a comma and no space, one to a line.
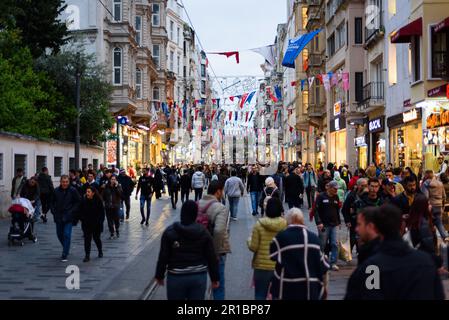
134,135
407,103
337,108
410,116
440,91
438,119
337,124
360,141
376,125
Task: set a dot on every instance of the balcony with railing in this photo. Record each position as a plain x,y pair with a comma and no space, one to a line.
372,96
374,29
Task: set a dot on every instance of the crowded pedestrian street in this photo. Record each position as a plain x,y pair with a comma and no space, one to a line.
176,152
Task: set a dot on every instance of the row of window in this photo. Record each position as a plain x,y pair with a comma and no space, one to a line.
21,161
117,12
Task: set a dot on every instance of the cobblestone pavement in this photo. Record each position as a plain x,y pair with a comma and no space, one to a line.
35,271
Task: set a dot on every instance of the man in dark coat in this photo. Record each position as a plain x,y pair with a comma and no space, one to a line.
294,188
186,185
173,184
395,271
127,189
47,190
296,250
17,183
65,203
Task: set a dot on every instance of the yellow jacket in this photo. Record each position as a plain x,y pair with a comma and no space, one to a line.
263,233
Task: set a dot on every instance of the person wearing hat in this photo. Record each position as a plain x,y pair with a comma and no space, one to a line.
270,191
127,189
388,190
187,253
327,219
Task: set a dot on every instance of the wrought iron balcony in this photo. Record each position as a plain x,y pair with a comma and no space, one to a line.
374,28
372,96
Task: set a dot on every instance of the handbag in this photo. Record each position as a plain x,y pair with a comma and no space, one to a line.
344,249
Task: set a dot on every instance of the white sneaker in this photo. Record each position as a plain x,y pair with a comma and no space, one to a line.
234,219
334,267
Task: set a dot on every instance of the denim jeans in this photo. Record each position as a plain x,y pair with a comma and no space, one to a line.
37,208
219,293
198,193
255,196
329,233
262,280
437,221
186,286
144,199
310,194
64,233
233,206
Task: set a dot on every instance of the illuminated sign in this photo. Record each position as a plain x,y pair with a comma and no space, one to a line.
337,108
409,116
375,125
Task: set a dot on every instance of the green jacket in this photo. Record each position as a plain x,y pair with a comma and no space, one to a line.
263,233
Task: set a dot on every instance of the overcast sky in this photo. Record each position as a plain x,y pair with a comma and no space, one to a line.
236,25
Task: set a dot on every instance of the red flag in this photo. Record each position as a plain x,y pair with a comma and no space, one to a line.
243,100
213,114
232,99
179,112
247,113
272,97
293,83
275,115
196,113
229,54
291,129
214,101
320,77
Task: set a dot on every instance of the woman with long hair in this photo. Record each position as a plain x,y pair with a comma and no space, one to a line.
421,228
92,216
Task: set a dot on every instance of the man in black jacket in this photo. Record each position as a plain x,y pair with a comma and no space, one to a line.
294,188
146,186
254,187
186,185
187,253
349,209
327,219
395,271
17,183
127,189
47,190
66,201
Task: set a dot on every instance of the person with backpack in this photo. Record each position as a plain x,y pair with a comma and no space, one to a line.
215,217
173,184
270,191
187,253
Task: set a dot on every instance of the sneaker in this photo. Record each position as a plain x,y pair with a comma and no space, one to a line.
146,223
118,234
86,259
121,220
143,221
111,237
127,217
334,267
64,258
234,219
100,254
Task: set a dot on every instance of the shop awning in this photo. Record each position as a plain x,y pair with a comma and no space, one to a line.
442,26
406,33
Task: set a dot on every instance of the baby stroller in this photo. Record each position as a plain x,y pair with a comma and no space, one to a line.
22,224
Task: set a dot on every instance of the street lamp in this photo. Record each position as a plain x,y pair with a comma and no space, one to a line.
78,111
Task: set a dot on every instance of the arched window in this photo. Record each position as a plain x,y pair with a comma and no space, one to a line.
156,94
117,10
139,83
117,66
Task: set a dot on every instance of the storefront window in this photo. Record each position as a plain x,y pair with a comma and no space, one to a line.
406,146
338,147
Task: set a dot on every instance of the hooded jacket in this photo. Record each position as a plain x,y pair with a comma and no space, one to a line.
234,187
187,249
341,186
263,233
219,217
198,180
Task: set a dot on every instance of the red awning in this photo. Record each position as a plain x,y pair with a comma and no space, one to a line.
443,25
404,34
